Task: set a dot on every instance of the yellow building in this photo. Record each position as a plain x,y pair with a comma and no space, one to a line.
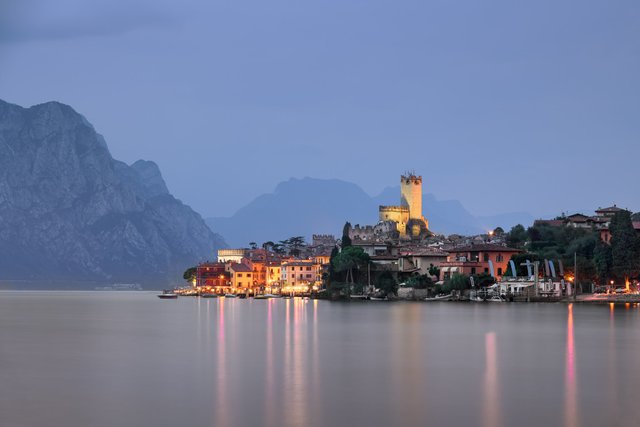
241,277
408,216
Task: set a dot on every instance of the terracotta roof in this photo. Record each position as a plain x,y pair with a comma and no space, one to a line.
241,268
483,247
613,208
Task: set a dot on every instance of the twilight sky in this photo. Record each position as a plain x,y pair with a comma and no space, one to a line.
504,105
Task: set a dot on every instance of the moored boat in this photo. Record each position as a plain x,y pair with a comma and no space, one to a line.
439,298
261,296
230,296
208,295
168,294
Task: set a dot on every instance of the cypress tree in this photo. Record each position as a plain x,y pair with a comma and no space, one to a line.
625,246
346,240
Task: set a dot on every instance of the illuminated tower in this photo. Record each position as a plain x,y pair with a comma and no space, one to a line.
411,195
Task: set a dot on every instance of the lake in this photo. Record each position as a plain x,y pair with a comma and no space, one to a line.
131,359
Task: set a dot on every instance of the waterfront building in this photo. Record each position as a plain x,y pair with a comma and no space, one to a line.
212,275
477,259
241,276
421,259
299,273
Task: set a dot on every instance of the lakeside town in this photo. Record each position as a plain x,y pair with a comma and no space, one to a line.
573,257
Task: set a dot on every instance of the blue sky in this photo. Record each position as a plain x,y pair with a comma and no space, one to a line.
503,105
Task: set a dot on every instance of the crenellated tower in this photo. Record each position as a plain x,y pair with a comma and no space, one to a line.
411,194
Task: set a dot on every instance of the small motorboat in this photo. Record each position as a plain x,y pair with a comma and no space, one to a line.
272,296
261,296
378,298
359,297
168,294
439,298
208,295
230,296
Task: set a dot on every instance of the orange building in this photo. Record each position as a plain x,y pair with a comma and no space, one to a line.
477,259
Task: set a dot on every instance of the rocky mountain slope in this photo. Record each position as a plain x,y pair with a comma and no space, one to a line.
68,210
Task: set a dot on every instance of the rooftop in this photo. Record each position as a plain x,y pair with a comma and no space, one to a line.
483,247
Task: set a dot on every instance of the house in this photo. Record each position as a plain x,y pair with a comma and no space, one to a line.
299,272
212,275
477,259
241,276
421,259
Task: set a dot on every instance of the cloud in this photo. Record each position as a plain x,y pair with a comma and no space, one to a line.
29,20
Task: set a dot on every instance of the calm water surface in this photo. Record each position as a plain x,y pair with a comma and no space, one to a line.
130,359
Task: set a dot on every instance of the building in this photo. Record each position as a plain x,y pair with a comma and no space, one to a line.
241,276
231,255
477,259
408,218
212,275
421,259
299,272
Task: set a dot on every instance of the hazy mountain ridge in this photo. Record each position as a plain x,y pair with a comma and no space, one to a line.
306,206
68,210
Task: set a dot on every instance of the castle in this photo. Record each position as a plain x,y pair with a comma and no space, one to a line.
404,221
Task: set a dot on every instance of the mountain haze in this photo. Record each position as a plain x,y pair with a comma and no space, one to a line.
308,205
69,211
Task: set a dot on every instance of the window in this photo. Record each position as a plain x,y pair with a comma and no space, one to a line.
473,270
499,271
486,270
486,257
308,276
308,268
239,274
499,258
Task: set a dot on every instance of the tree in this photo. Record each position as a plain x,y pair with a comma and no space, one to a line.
253,245
294,245
517,236
350,260
420,281
190,274
499,231
603,260
625,246
386,283
458,282
346,240
434,271
483,280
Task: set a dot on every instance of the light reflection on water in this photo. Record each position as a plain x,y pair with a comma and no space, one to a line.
69,359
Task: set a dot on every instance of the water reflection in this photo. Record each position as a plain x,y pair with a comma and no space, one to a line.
491,406
570,402
220,405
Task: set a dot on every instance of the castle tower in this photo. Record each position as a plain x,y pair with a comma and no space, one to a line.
411,194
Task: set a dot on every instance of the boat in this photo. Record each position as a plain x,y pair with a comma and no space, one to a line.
495,298
261,296
242,296
272,296
230,296
439,298
359,297
168,294
378,298
208,295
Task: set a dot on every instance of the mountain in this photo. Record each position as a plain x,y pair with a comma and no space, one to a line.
307,206
298,207
69,211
